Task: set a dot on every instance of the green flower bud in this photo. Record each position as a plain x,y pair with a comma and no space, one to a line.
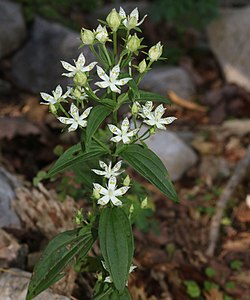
77,93
144,203
53,109
152,130
135,108
126,181
95,194
133,43
113,20
87,37
132,23
79,217
131,209
80,79
142,66
155,52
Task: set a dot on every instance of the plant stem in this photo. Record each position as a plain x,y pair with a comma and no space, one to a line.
63,110
115,45
100,143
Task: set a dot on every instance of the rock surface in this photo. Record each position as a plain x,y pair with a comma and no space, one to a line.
14,283
37,67
8,183
163,79
9,249
229,36
174,153
12,27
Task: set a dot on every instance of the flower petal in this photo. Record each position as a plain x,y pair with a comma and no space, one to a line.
100,189
122,81
116,139
81,60
112,182
117,166
48,98
142,20
132,132
82,123
169,120
85,113
73,127
116,201
122,13
68,66
89,67
101,73
98,172
121,191
114,88
159,111
58,91
114,73
104,200
103,165
114,129
66,120
135,14
74,111
125,125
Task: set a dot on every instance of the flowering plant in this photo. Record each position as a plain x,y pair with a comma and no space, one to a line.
86,110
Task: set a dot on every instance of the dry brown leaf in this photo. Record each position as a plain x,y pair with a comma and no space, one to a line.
242,243
242,213
242,277
213,294
12,126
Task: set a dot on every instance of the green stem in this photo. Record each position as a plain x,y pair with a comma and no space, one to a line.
107,55
96,54
63,110
115,45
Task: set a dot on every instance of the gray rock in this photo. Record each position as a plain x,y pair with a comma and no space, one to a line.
163,79
174,153
8,183
228,38
12,27
14,284
212,167
37,67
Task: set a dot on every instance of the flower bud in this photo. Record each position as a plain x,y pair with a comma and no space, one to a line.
133,43
142,66
144,203
132,22
79,217
131,209
152,130
113,20
76,93
101,34
80,79
87,37
155,52
95,194
135,108
53,109
126,181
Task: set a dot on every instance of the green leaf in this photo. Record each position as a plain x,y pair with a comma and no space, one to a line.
59,254
74,156
149,165
124,296
97,116
148,96
117,245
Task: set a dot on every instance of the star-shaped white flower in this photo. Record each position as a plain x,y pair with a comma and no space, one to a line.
108,170
111,80
131,21
122,134
110,193
154,118
101,34
79,66
76,120
57,96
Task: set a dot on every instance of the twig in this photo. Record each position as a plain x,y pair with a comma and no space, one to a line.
233,182
185,103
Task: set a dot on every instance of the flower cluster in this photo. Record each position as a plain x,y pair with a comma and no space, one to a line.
115,71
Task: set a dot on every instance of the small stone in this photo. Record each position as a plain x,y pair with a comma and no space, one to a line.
14,284
228,37
37,66
163,79
174,153
12,27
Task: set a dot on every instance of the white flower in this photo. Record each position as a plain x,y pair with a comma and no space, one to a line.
110,193
57,96
132,20
122,134
155,118
101,34
108,279
76,120
108,170
79,66
155,52
111,80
